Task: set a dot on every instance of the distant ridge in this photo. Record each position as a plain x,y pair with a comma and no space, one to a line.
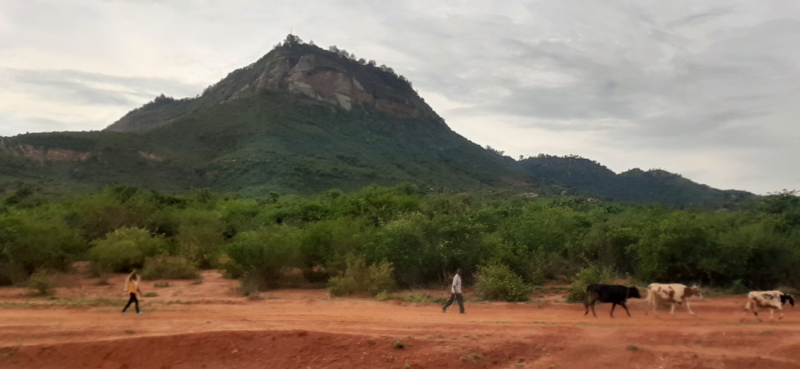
633,185
301,120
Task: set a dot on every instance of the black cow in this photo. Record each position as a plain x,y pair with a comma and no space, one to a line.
614,294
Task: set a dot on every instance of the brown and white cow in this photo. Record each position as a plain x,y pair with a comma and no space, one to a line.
672,293
767,300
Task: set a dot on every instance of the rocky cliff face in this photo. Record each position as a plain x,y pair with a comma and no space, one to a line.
41,153
300,69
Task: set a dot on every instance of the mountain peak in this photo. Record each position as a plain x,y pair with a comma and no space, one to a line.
332,76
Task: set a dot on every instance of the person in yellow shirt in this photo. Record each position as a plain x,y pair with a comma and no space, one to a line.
132,286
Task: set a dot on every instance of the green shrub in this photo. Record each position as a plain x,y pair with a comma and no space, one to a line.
200,237
587,276
382,296
168,267
41,282
497,282
125,249
415,297
341,286
359,278
35,239
380,278
150,294
262,254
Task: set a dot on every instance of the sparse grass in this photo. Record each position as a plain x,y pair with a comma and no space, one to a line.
439,300
417,297
161,284
102,281
440,335
197,281
399,345
129,331
476,357
767,333
519,366
371,341
68,302
632,348
430,337
463,358
150,294
407,366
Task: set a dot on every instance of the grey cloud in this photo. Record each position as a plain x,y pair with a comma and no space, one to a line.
647,76
90,88
703,16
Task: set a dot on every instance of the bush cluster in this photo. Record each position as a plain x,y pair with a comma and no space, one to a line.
41,282
415,237
357,277
498,282
169,267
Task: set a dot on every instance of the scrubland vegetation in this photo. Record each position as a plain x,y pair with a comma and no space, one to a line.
381,238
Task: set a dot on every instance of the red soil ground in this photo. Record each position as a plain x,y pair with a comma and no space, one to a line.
212,327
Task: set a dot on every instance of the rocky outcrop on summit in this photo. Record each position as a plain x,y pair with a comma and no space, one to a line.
300,69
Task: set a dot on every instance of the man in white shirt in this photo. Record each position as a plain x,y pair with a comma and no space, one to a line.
456,290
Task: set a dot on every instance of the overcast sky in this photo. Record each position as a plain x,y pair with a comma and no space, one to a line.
708,89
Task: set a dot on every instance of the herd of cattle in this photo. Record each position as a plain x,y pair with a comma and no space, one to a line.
678,294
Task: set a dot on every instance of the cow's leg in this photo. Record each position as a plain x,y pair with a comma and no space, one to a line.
613,305
781,310
626,308
589,301
689,308
771,313
747,308
755,312
672,308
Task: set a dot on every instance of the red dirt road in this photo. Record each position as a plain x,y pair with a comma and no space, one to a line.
307,329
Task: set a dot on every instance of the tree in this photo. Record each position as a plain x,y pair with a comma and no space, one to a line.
292,40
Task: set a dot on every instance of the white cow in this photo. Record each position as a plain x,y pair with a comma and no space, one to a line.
767,300
672,293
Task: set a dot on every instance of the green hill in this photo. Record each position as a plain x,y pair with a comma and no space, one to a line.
299,120
634,185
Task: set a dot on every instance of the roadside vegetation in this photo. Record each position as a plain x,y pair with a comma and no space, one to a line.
378,239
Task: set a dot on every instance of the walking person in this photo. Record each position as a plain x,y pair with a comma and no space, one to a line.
456,296
132,286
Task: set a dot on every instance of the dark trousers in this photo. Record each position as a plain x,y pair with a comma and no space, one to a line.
132,300
455,297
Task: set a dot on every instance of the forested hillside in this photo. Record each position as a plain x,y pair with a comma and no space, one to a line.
634,185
